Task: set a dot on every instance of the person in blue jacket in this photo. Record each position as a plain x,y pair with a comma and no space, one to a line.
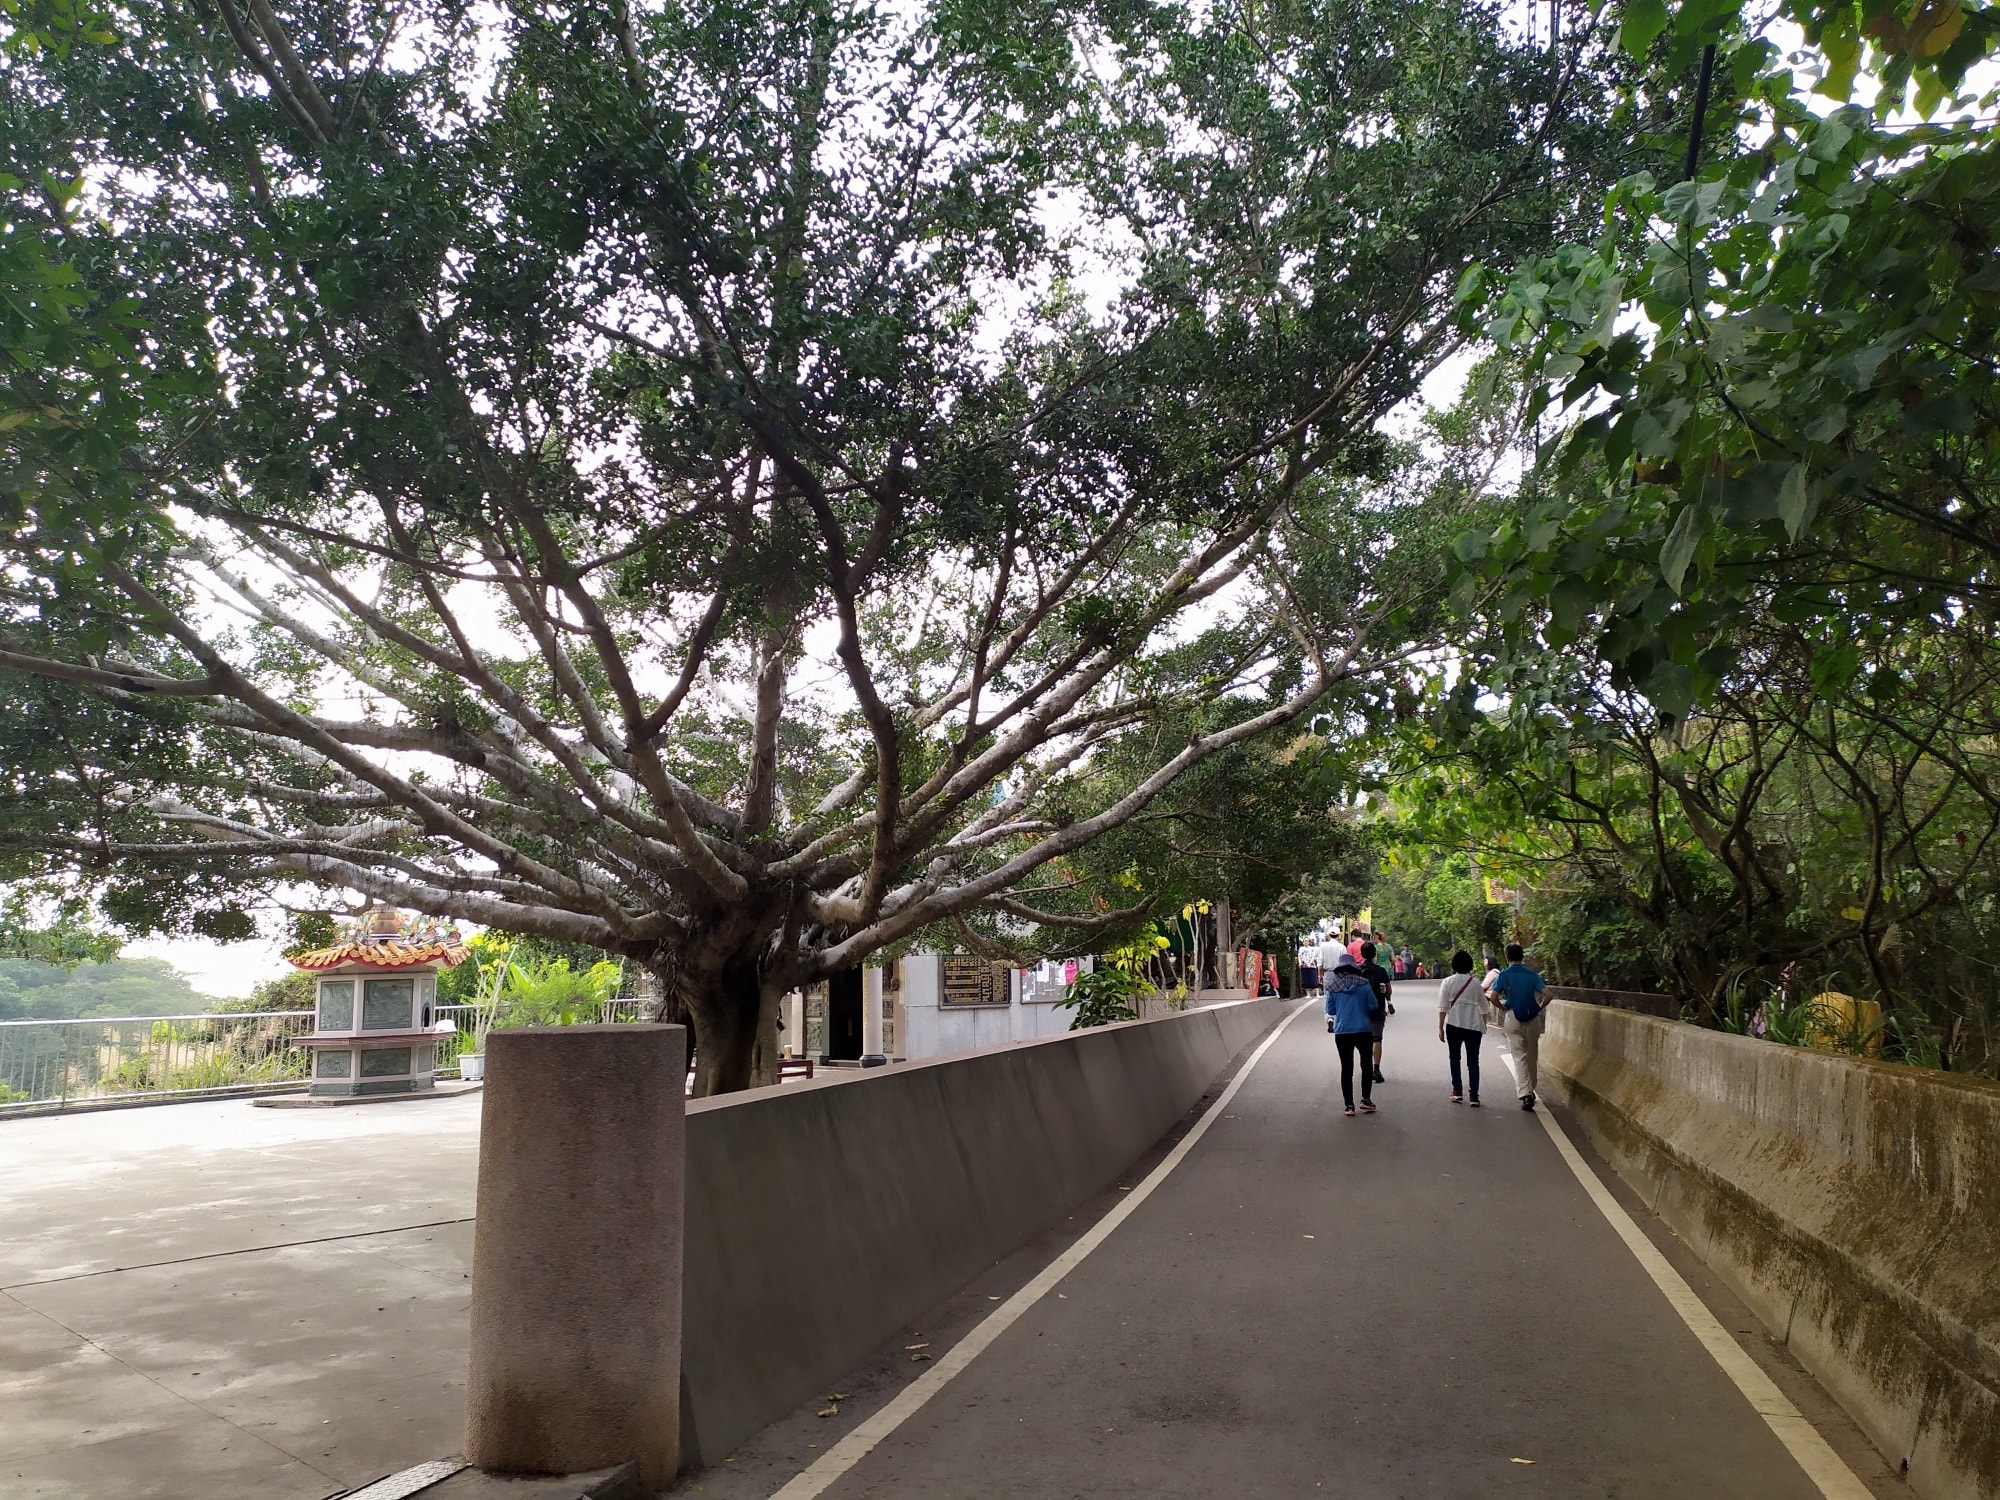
1352,1006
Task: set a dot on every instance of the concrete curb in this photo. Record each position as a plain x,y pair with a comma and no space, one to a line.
621,1483
445,1089
44,1109
1854,1205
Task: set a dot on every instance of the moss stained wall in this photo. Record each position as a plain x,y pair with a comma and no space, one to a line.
1854,1205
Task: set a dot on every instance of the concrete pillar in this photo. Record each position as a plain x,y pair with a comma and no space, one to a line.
871,1018
795,1023
922,983
576,1257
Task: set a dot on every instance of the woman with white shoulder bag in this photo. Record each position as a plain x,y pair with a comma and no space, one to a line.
1462,1022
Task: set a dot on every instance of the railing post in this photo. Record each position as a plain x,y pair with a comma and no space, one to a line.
576,1255
69,1031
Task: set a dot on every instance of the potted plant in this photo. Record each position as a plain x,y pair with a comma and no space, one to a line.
485,1009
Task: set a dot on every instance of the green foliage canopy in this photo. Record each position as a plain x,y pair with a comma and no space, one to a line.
31,990
692,481
1724,709
1779,375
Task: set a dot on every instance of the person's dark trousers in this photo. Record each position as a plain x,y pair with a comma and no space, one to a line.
1464,1036
1353,1044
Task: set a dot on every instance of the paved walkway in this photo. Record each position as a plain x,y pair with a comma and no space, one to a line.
1422,1302
216,1301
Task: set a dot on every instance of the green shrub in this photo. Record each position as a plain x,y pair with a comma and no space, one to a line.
1103,996
553,994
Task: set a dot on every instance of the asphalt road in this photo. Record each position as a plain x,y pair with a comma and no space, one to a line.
1422,1302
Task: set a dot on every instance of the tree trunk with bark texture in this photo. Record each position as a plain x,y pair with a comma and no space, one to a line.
735,1023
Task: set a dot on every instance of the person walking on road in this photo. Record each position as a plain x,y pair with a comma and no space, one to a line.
1462,1023
1351,1008
1517,989
1332,954
1385,1004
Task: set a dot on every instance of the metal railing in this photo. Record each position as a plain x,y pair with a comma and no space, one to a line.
131,1059
53,1064
464,1019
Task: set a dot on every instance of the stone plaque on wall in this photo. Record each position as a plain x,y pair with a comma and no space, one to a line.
336,1004
385,1005
967,981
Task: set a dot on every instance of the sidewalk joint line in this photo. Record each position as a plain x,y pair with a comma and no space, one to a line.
90,1343
188,1260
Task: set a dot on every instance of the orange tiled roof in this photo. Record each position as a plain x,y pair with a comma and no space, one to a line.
391,955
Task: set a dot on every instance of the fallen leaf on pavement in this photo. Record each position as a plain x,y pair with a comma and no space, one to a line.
1520,1460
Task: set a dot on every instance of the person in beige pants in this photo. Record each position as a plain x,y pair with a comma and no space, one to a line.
1514,989
1524,1041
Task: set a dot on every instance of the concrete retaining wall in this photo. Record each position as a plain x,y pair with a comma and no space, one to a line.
1854,1205
823,1216
1643,1001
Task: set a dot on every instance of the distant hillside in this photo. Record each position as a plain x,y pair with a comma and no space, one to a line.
121,987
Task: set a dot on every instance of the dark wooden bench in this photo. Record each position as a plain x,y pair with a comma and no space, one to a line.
795,1067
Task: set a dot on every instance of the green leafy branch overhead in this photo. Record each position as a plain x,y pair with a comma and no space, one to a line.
1772,382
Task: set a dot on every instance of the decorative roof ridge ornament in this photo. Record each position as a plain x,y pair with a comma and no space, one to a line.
388,954
375,1013
384,938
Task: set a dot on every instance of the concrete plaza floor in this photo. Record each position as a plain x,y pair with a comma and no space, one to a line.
214,1300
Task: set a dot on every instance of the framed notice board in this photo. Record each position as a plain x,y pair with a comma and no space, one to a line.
966,981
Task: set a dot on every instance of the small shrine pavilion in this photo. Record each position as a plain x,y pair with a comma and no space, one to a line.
372,1021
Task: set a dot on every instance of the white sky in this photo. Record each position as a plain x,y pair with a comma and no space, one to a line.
221,971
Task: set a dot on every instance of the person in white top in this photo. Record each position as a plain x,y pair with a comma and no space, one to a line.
1462,1022
1332,954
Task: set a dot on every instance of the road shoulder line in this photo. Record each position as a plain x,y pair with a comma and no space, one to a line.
1824,1467
858,1444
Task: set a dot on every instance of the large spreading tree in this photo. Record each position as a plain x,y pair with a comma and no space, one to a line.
706,481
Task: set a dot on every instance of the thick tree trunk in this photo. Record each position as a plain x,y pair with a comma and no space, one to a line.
670,1008
735,1019
767,1046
